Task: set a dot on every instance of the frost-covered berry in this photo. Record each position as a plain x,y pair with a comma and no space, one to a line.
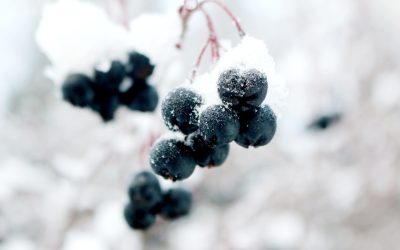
219,125
206,155
77,90
139,66
176,203
140,96
179,110
105,103
112,77
257,127
172,159
242,90
145,191
138,218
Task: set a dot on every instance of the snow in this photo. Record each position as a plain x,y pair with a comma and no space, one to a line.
77,35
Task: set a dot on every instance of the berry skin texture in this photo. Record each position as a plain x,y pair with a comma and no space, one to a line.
176,203
139,66
77,90
140,96
179,110
242,90
112,78
219,125
257,128
205,155
145,191
172,159
138,218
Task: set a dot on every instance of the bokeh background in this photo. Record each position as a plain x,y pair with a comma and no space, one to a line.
63,172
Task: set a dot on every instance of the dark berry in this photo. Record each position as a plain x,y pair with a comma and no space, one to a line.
206,155
179,110
139,66
257,127
242,90
77,90
140,96
219,125
176,203
138,218
145,191
105,103
172,159
112,77
325,121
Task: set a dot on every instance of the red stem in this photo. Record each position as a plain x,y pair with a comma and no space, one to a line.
124,17
199,58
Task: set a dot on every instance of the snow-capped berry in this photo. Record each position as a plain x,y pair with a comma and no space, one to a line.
206,155
172,159
179,110
140,96
77,90
139,66
176,203
219,125
112,77
257,127
104,103
242,90
145,191
138,218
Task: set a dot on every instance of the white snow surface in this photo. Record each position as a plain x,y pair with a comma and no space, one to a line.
76,36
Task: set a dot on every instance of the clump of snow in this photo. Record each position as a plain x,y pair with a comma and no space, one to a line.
76,36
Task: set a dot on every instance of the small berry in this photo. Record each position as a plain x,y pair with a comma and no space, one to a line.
140,96
145,191
172,159
77,90
179,110
105,103
176,203
242,90
139,66
111,78
138,218
257,127
325,121
206,155
219,125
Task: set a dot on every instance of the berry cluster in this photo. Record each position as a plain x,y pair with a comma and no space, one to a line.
118,84
241,118
146,200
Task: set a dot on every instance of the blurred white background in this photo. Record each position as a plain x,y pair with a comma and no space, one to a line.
63,173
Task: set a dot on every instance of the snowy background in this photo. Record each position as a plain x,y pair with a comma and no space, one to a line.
63,173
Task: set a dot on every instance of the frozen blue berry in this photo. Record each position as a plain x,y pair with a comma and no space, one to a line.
219,125
324,121
172,159
179,110
176,203
105,103
145,191
206,155
139,66
257,127
111,78
140,96
138,218
242,90
77,90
